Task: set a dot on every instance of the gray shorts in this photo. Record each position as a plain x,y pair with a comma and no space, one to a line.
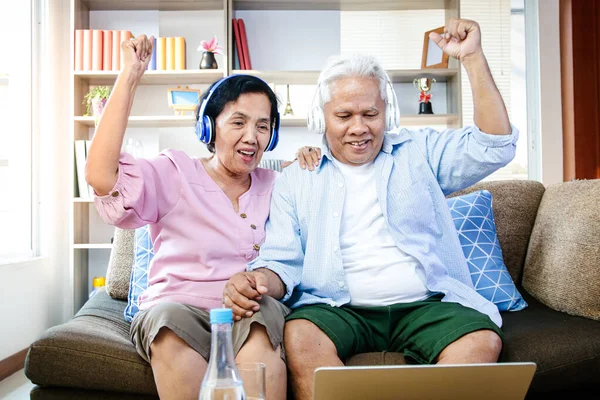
192,324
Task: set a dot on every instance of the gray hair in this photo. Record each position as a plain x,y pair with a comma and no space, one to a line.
352,65
356,65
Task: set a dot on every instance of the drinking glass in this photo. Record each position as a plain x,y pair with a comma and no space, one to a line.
253,377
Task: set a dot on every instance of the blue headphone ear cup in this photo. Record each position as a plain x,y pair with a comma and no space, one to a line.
200,129
274,139
208,129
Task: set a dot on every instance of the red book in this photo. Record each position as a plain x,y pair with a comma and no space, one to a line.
244,39
107,39
238,43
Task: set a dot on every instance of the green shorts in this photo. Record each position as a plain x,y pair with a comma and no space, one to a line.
420,330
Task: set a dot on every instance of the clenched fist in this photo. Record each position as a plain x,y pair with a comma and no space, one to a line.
461,38
136,54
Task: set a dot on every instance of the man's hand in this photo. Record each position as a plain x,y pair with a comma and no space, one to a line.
461,39
242,292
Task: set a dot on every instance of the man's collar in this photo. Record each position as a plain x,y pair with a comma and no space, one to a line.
390,140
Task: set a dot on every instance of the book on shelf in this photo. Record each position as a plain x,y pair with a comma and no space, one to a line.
170,54
83,189
161,53
78,50
237,41
107,39
97,50
100,50
152,64
244,41
123,36
116,51
86,50
179,53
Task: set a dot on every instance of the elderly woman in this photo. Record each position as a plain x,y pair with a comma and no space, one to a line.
207,221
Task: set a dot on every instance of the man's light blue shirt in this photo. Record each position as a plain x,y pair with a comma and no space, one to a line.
416,169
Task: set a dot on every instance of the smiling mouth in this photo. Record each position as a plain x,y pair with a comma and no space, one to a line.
247,153
359,145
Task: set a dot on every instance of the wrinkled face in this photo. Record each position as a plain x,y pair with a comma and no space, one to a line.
243,130
355,120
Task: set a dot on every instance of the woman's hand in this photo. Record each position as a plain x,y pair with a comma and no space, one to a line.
136,55
242,292
306,156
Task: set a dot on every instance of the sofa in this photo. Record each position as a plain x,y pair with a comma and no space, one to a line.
550,240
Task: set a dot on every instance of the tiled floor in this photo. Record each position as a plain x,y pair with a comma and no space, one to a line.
15,387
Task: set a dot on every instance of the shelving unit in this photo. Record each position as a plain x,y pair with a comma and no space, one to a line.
162,121
150,115
191,77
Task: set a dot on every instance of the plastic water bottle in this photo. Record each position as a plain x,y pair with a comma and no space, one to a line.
97,283
222,380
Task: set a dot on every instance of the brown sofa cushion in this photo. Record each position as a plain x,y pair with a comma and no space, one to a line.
515,205
91,351
565,348
563,262
58,393
120,264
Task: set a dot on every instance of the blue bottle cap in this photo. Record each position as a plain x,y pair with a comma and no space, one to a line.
221,316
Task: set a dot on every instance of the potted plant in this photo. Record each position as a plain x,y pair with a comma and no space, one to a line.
95,101
208,57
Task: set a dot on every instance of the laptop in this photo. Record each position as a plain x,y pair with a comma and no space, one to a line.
498,381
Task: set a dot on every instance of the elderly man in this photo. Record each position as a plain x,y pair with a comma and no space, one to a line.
363,249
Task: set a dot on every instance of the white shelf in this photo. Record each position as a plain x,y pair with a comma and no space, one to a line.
82,200
344,5
311,77
184,77
166,121
289,121
294,121
407,75
162,5
92,246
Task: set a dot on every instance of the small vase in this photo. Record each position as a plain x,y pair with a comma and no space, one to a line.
208,61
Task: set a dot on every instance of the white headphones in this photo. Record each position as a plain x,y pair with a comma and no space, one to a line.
316,116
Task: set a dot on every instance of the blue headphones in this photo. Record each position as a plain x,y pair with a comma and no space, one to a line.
205,126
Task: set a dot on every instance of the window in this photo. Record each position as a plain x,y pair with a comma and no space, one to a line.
15,131
396,38
502,25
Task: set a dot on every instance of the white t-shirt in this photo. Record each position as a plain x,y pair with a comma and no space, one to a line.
378,273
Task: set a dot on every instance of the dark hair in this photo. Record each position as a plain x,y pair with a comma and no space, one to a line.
230,90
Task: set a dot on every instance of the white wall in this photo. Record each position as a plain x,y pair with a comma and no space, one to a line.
35,295
295,40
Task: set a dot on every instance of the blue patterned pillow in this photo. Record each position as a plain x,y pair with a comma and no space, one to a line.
143,252
474,221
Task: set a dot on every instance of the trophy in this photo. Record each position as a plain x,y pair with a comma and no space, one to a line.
288,106
424,85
